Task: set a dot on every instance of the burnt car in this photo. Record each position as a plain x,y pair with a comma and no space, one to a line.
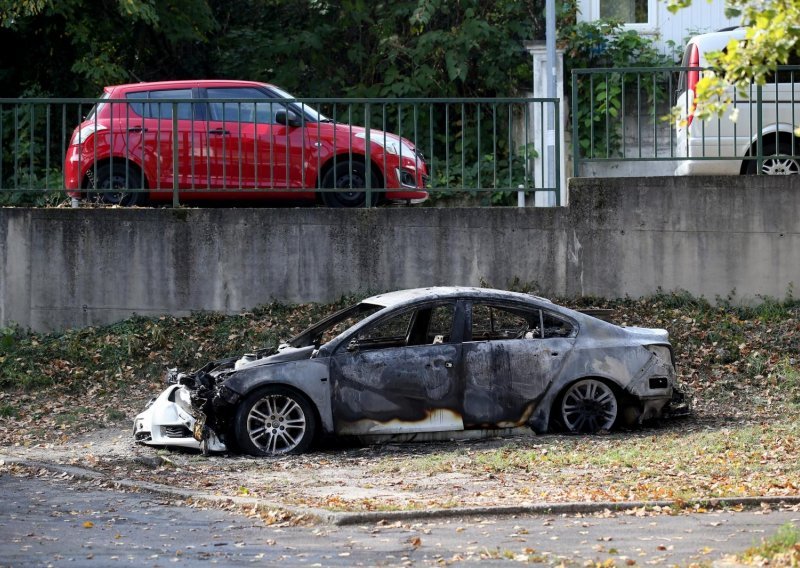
426,360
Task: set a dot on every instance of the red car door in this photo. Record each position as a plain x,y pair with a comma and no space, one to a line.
149,125
251,149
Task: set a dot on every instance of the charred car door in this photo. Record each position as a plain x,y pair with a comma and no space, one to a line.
399,374
511,355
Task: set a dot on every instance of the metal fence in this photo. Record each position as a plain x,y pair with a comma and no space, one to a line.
345,152
645,115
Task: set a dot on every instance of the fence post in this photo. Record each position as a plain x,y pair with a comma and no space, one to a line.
574,118
368,154
759,127
175,202
557,168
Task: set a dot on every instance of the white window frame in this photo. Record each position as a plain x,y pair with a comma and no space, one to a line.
652,16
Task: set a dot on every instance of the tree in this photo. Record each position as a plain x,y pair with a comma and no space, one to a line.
772,35
75,47
403,48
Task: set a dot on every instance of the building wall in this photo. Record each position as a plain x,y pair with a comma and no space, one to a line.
619,236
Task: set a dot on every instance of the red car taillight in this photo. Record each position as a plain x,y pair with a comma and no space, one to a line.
692,77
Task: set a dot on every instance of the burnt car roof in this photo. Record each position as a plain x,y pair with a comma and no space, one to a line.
400,297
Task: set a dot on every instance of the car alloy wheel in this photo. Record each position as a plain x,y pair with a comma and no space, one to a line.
275,421
782,164
589,406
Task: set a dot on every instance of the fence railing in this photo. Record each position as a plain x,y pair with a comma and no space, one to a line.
341,152
644,114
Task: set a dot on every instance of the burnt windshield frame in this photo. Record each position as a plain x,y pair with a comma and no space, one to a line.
310,335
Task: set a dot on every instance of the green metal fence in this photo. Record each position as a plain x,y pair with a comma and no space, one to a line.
361,151
644,115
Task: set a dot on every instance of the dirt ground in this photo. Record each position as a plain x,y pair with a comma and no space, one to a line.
677,461
354,477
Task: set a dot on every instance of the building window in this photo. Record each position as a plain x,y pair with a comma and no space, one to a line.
628,11
636,14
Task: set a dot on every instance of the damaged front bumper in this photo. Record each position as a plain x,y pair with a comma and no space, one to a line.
171,420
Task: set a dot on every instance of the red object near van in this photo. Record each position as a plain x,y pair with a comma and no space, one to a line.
233,140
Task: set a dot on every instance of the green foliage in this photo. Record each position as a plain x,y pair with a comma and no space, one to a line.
410,48
606,44
8,411
74,47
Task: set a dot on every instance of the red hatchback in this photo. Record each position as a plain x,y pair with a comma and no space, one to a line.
226,140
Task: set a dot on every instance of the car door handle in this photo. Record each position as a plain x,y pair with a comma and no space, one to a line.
135,129
219,131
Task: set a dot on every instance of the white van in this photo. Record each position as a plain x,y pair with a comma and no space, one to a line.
699,140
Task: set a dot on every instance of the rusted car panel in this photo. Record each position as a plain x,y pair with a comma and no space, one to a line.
423,361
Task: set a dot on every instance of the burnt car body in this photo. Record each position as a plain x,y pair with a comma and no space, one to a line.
425,360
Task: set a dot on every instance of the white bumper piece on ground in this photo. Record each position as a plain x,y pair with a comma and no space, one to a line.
169,420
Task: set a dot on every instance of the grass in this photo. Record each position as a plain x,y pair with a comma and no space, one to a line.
782,549
663,464
8,411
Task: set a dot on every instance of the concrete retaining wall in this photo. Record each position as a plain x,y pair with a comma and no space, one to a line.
627,236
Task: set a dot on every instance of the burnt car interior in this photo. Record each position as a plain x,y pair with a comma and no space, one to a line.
425,326
492,322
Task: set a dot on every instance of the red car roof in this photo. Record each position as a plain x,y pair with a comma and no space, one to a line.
191,83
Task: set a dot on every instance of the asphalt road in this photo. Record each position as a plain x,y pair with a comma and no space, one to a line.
63,522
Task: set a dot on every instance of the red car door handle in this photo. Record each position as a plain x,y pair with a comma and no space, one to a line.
135,129
219,131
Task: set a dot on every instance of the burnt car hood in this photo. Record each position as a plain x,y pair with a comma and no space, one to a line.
285,353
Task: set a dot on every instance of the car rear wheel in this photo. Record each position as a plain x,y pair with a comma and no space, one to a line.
352,177
588,406
781,164
111,181
275,421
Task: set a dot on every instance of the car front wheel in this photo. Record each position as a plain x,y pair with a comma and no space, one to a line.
110,183
588,406
350,177
275,421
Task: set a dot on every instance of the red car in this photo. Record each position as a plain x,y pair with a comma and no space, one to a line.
235,140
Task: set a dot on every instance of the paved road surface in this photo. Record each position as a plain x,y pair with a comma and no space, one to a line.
52,522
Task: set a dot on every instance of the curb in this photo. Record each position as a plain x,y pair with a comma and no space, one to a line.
372,517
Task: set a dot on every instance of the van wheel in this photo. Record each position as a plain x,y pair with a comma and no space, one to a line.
110,182
352,177
781,164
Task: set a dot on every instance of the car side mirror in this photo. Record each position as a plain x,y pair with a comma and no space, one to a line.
287,118
353,345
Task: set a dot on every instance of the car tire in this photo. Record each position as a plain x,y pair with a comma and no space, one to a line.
117,177
275,421
588,406
351,175
774,165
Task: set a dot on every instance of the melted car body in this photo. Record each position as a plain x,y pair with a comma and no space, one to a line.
427,360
